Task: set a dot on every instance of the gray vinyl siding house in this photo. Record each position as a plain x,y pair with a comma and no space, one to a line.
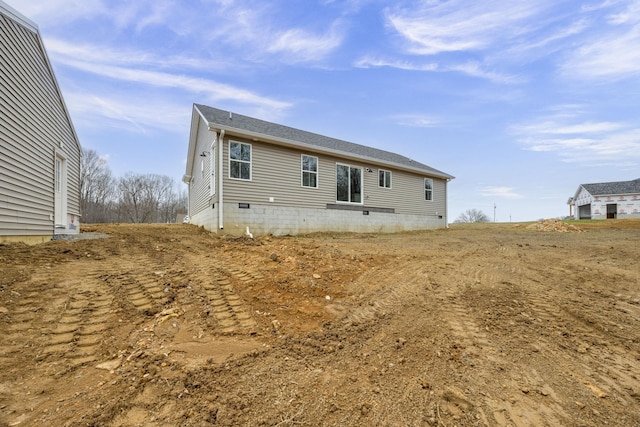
39,149
607,200
249,175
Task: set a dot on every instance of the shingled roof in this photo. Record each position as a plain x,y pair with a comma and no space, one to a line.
260,129
611,188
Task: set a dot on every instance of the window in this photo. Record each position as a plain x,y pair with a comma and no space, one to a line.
428,189
384,178
239,160
309,171
349,184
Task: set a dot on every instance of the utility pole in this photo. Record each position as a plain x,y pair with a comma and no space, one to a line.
494,212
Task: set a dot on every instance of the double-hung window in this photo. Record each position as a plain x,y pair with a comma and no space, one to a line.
428,189
349,184
384,178
309,171
239,160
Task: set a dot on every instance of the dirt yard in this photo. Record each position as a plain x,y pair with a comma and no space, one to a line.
477,325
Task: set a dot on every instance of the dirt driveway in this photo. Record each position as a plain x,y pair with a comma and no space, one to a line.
169,325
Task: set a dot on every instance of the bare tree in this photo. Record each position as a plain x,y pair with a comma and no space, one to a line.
131,198
472,215
96,188
147,198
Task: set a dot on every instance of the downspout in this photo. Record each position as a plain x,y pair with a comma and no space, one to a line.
446,203
220,181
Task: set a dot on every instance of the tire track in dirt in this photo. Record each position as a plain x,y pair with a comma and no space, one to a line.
604,370
227,306
513,407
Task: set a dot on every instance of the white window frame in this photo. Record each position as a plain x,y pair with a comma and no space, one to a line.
250,162
361,202
302,171
387,184
428,192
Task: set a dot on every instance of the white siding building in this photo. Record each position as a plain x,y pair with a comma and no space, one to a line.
607,200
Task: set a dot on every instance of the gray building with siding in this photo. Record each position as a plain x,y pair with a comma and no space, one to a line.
39,148
249,175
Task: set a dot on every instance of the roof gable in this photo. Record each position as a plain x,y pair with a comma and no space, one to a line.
256,128
24,25
611,188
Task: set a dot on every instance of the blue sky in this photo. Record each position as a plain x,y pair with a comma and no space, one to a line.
521,101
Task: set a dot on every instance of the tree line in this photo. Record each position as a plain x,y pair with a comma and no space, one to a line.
138,198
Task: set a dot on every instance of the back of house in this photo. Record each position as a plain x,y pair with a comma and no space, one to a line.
39,149
247,175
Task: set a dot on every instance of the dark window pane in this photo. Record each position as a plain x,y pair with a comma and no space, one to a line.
342,181
381,178
245,170
234,150
245,152
356,185
235,169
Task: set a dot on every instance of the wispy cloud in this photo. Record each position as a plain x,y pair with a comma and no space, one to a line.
500,192
471,68
615,55
436,27
299,45
416,120
575,139
211,89
121,111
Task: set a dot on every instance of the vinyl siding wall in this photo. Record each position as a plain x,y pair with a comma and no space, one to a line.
200,198
276,172
35,127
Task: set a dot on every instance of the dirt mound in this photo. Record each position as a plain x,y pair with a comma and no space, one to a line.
554,225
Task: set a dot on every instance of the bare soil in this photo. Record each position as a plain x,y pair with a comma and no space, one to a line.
477,325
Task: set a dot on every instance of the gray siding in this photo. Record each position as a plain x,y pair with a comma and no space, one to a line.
35,125
200,198
276,172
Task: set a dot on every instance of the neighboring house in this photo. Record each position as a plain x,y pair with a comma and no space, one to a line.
607,200
251,176
39,149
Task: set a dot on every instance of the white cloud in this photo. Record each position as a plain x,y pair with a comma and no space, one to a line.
613,55
584,141
299,45
471,69
416,120
213,90
457,25
500,192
